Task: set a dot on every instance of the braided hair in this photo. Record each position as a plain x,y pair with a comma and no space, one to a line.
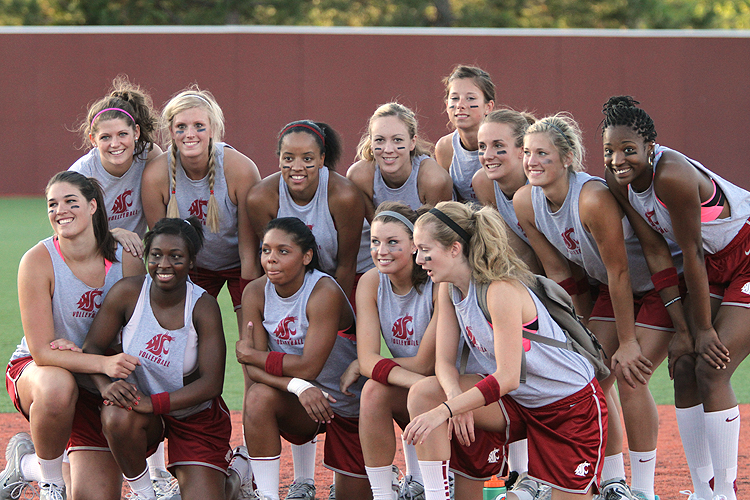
623,110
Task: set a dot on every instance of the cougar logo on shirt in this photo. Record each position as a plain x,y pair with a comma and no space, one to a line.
156,347
570,241
403,331
651,218
88,304
473,340
285,330
120,207
198,209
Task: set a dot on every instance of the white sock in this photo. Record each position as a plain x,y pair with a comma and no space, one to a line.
642,467
303,456
690,422
51,471
412,462
381,482
241,467
723,433
156,462
141,484
518,456
435,474
30,467
614,468
266,471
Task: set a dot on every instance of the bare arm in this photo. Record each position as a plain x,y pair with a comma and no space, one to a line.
261,205
362,175
347,208
242,174
155,189
444,151
434,183
484,188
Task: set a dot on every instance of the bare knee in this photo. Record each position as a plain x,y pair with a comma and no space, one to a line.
375,397
424,396
55,394
707,377
260,401
118,423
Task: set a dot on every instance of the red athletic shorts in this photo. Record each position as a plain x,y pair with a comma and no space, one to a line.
482,459
649,310
567,439
87,432
342,451
12,374
729,270
213,281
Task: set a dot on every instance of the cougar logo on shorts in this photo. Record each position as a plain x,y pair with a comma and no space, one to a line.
156,347
746,288
285,330
120,207
582,469
494,456
650,217
473,340
198,209
571,242
403,331
88,304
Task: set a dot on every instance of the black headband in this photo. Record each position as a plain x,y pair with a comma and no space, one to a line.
451,224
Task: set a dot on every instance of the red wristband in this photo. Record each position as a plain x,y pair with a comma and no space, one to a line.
664,279
582,285
243,284
570,286
489,388
382,369
160,403
274,363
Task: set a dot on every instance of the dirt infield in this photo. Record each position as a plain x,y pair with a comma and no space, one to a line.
671,472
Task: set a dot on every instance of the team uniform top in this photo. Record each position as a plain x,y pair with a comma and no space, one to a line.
716,233
505,207
122,195
285,320
565,231
220,250
552,373
408,193
166,356
317,216
463,166
403,318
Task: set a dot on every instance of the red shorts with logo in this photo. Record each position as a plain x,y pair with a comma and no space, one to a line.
729,270
649,310
567,439
482,459
200,439
342,451
12,374
87,424
213,281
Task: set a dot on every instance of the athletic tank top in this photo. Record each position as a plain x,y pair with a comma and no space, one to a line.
551,373
285,320
505,207
122,195
463,166
407,193
166,356
717,233
220,250
403,318
317,216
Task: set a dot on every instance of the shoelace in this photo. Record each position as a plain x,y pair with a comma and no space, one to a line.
166,487
18,488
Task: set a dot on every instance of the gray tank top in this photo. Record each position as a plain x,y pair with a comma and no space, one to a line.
166,356
716,233
552,373
285,320
407,193
220,250
464,165
505,207
74,303
317,216
122,195
403,318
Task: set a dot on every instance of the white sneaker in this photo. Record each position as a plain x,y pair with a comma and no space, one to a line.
720,497
48,491
300,491
615,489
12,483
247,489
332,492
691,495
525,483
409,489
166,486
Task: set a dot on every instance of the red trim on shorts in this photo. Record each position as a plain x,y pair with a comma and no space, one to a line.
12,373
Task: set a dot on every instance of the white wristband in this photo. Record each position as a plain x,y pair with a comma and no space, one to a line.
297,386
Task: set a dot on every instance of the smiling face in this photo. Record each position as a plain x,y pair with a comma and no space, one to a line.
191,132
68,210
391,247
626,155
168,261
115,140
391,144
282,259
541,162
300,160
465,104
498,152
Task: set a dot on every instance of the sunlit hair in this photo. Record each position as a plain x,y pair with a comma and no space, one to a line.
194,97
518,121
407,117
418,275
488,252
624,110
327,139
91,190
190,230
566,137
301,235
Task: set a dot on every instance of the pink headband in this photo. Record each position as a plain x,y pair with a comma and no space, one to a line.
111,109
316,130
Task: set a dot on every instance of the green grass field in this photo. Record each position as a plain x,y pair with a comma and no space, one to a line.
23,222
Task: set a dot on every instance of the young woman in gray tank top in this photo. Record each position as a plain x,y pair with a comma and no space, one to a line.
61,284
121,130
394,165
569,215
469,96
298,343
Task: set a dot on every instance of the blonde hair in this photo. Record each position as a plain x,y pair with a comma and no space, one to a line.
488,252
565,135
194,97
518,121
407,117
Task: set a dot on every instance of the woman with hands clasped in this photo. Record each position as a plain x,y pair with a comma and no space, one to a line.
300,339
560,407
173,328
